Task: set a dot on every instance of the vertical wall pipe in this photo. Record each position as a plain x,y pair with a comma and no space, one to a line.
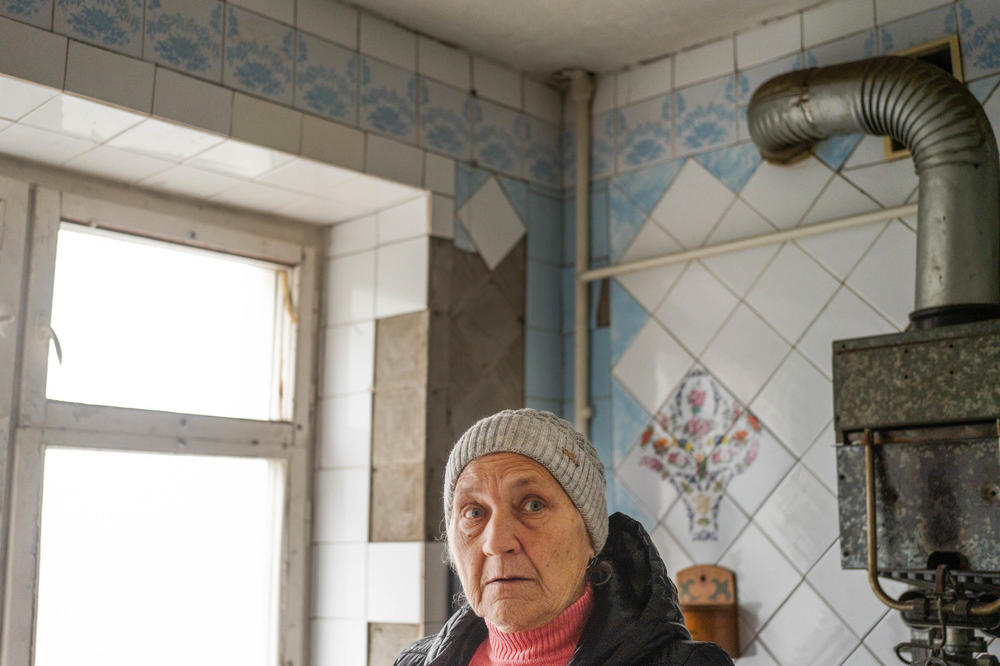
581,89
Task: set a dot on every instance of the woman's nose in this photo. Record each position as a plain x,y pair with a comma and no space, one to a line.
500,535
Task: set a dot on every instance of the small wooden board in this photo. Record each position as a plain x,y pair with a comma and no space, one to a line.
707,595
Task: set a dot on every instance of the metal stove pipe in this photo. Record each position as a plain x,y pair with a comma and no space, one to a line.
955,153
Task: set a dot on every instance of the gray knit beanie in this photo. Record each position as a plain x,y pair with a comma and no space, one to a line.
549,441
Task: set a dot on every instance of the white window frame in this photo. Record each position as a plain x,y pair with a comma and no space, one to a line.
41,422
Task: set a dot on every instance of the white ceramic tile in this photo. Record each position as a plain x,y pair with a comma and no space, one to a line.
671,552
604,94
333,143
768,42
760,589
800,517
821,458
41,145
256,196
796,403
266,123
81,118
652,366
352,236
496,82
117,164
439,174
840,251
32,54
648,80
887,634
887,274
350,288
542,101
239,159
395,574
448,65
890,184
650,286
337,642
754,654
806,631
492,222
738,270
19,97
846,316
696,307
193,102
442,216
389,194
279,10
341,506
693,204
388,42
394,161
869,150
745,353
4,124
188,180
306,176
167,141
791,291
339,589
110,77
348,359
330,20
704,62
345,424
862,657
783,194
315,209
751,488
655,493
407,220
839,199
836,19
731,521
890,10
847,591
401,277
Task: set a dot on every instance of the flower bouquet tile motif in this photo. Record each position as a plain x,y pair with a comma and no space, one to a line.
699,441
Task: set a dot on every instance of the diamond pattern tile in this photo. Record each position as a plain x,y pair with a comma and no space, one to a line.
807,631
696,307
739,270
672,553
886,276
651,285
890,184
690,219
846,316
800,517
492,222
745,353
752,487
652,365
783,194
682,520
653,491
796,403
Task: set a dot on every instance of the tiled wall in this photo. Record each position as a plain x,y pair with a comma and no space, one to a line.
735,350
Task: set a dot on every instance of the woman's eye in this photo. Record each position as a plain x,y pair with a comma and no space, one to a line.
472,513
534,505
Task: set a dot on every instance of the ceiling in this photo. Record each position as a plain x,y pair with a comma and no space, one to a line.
45,125
543,37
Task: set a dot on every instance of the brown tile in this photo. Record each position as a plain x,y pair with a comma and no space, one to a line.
439,349
440,278
509,276
468,274
397,506
399,425
386,641
401,350
487,322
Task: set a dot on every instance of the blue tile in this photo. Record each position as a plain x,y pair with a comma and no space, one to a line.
706,115
326,79
835,150
36,12
627,318
602,145
468,180
979,21
598,222
646,187
541,152
855,47
185,35
600,429
517,193
625,502
982,88
569,227
643,135
497,137
462,240
748,80
625,220
445,119
600,363
543,355
113,25
544,405
567,151
388,100
567,369
544,227
258,55
630,419
566,281
542,308
733,165
918,29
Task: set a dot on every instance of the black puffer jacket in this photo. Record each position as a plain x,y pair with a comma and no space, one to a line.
636,619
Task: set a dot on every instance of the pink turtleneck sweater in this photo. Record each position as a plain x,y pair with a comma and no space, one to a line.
549,645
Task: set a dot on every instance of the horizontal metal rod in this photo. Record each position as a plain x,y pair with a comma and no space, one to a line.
838,224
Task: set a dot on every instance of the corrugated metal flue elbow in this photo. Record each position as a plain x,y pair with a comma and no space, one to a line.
952,143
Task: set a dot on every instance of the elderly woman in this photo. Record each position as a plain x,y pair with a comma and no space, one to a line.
548,577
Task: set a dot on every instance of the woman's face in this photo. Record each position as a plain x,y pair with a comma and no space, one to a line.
517,541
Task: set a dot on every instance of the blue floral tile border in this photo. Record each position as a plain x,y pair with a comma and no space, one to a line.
498,137
916,30
643,133
326,79
113,24
706,116
445,119
388,100
35,12
979,22
541,152
185,35
259,55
